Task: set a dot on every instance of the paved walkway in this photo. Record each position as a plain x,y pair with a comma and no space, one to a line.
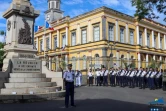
96,99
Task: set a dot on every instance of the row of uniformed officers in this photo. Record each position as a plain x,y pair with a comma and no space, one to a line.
142,78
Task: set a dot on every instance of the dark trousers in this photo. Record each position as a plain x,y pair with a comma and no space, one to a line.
122,81
69,92
117,80
142,82
152,85
90,81
132,82
112,80
158,82
101,80
98,80
105,82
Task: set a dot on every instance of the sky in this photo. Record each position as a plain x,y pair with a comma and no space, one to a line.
73,8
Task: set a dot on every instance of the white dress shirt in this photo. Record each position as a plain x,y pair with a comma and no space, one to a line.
143,73
105,73
97,73
69,76
90,74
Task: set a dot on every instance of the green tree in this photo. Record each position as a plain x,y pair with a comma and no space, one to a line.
145,8
1,49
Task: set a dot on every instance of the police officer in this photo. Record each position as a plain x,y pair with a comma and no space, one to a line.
69,83
158,79
90,76
77,76
118,76
142,79
151,80
113,74
98,76
105,76
148,77
122,74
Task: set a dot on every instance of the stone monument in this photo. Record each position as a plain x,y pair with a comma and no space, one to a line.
24,75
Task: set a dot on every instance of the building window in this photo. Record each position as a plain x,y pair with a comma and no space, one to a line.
57,5
96,31
47,44
84,62
155,43
161,46
73,38
122,35
148,40
55,42
84,36
52,4
111,32
74,63
97,61
41,45
140,38
63,40
131,37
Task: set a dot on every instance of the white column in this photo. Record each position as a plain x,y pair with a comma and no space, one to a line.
57,63
67,29
78,59
58,38
78,34
152,38
117,30
127,33
159,41
145,31
43,46
139,59
147,60
160,60
138,35
89,31
128,60
50,65
154,57
66,60
117,58
37,43
50,41
164,42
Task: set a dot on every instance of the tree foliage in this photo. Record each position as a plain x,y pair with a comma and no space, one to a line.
145,8
1,52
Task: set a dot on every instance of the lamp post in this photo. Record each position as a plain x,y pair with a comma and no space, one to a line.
111,55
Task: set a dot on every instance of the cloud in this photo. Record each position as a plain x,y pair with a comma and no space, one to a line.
73,2
2,25
76,12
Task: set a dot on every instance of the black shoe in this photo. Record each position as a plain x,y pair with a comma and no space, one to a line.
140,88
66,106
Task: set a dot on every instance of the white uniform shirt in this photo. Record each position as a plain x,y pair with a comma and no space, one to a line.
148,74
143,73
153,74
105,73
69,76
110,72
77,74
132,74
114,73
97,73
90,74
158,75
128,73
122,73
139,72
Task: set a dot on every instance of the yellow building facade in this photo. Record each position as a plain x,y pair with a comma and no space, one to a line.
92,34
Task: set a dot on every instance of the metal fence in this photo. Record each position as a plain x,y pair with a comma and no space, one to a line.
55,64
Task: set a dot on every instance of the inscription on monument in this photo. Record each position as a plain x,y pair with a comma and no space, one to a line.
21,65
28,56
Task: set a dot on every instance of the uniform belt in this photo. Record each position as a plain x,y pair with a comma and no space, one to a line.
69,81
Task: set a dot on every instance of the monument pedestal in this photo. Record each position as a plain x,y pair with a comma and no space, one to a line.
24,78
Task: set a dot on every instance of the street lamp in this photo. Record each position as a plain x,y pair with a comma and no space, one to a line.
111,55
